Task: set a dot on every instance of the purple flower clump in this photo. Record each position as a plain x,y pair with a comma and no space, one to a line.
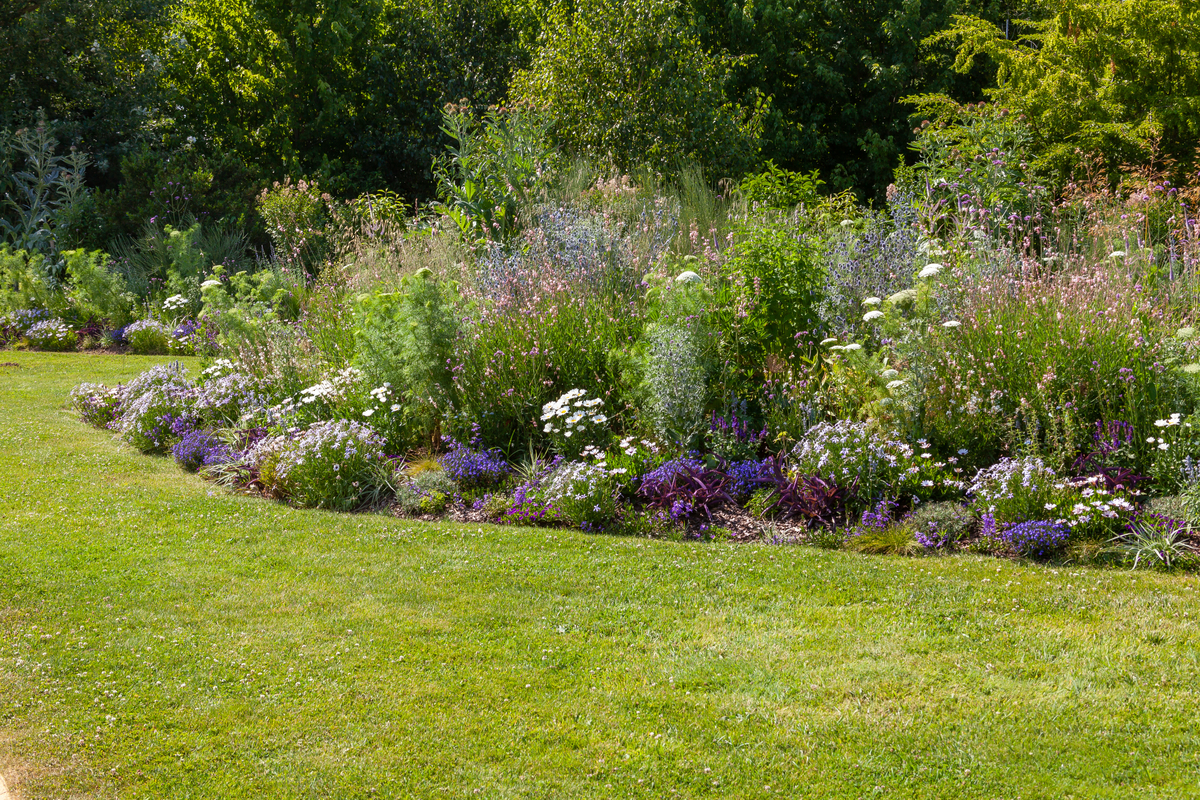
1035,538
875,519
474,469
746,476
199,448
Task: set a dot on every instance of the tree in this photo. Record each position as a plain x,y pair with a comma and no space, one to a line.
1118,80
348,91
835,71
628,82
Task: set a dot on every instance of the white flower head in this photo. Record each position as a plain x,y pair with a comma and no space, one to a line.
870,315
929,270
871,301
951,324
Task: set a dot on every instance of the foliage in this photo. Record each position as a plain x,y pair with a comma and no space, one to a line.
296,215
687,489
406,339
811,498
1155,541
492,168
427,492
349,94
95,291
940,525
1114,79
48,194
764,299
780,188
147,337
835,73
627,83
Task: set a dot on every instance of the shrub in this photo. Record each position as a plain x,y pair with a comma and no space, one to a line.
940,525
686,489
151,404
96,291
52,335
96,405
332,464
765,296
148,337
295,215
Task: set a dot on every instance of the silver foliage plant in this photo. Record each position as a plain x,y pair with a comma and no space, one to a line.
676,378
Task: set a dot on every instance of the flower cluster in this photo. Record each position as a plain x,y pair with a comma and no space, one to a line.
174,303
574,421
473,469
51,334
151,403
96,405
332,464
845,452
585,493
320,400
732,438
14,324
1014,489
199,448
875,519
1035,538
227,398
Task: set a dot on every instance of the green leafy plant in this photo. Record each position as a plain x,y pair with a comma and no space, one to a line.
1154,543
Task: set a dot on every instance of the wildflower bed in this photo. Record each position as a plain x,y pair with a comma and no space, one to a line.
160,637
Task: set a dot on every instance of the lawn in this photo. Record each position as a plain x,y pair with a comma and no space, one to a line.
160,637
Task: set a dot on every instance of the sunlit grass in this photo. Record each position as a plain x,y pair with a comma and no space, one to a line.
162,638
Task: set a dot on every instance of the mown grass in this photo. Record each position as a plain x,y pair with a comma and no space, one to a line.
161,638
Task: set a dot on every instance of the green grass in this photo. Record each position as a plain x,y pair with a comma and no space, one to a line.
161,638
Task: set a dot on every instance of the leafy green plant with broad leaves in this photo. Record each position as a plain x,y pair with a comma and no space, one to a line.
491,169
